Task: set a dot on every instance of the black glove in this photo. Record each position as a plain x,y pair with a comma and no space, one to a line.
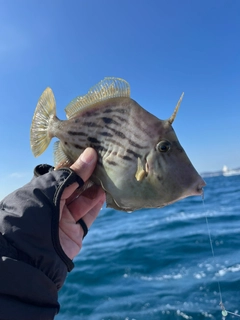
29,224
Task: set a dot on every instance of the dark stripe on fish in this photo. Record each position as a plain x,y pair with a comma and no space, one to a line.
91,113
109,120
114,110
112,163
93,140
117,133
77,146
92,124
121,118
122,135
114,153
136,155
114,142
136,145
106,134
74,133
100,148
127,158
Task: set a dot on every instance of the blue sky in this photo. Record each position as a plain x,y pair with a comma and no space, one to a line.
161,48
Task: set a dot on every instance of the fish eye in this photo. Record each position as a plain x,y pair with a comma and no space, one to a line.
163,146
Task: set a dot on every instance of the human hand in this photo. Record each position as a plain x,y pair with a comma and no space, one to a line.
86,206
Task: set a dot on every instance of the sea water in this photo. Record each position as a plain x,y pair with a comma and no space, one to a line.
158,264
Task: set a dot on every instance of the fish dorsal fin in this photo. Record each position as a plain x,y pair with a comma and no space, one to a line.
105,89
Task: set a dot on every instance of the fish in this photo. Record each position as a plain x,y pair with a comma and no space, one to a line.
141,163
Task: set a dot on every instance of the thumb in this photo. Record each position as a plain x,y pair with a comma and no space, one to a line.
85,164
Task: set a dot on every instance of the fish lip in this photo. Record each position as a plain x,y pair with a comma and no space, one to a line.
199,191
201,186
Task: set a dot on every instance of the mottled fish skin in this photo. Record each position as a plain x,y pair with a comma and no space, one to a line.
134,166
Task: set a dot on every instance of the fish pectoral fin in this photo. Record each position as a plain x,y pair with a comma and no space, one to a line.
140,173
60,158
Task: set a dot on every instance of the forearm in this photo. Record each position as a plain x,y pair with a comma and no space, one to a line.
33,266
25,292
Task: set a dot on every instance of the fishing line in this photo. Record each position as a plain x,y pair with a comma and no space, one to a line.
224,311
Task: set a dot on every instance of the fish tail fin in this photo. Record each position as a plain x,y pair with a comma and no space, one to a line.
40,135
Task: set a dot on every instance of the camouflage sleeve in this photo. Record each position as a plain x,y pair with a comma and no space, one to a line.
33,266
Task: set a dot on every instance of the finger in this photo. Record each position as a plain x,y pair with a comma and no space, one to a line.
80,206
84,190
71,233
92,214
91,192
85,164
68,191
90,217
83,167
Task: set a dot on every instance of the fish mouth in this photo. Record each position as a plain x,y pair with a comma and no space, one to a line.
197,189
201,186
200,189
200,192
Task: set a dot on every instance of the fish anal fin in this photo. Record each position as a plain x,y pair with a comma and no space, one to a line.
105,89
140,173
60,158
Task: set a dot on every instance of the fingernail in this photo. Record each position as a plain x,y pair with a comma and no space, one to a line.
87,156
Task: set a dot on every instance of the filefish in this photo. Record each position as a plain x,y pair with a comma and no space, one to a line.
141,163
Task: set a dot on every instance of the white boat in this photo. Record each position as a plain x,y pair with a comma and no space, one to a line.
230,172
